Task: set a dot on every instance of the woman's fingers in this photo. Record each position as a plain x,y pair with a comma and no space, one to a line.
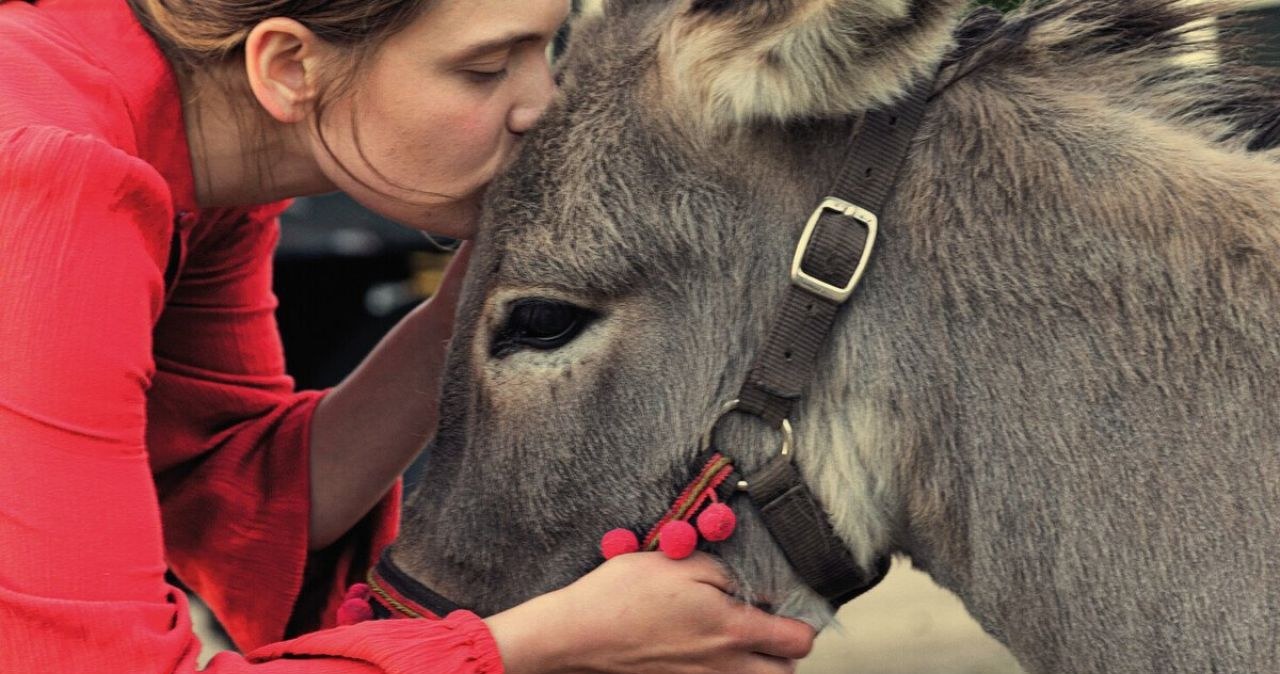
710,570
755,630
755,663
774,636
764,664
454,274
686,611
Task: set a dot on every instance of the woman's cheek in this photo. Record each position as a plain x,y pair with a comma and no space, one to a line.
484,124
479,138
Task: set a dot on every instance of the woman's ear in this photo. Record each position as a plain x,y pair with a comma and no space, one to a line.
739,61
282,59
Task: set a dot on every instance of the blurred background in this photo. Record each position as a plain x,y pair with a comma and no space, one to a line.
345,276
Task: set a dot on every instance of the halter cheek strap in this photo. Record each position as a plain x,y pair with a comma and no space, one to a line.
833,254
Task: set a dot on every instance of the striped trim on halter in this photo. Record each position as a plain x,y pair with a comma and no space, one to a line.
390,590
700,490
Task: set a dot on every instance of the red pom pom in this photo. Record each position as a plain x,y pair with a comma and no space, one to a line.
619,542
354,610
717,522
677,539
358,591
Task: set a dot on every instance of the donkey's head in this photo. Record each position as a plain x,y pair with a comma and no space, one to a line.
627,272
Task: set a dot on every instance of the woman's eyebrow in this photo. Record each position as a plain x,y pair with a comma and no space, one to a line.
497,44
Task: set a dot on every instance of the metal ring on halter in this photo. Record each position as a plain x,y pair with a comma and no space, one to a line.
788,437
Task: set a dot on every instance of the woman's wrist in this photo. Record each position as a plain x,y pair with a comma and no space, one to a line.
371,426
530,638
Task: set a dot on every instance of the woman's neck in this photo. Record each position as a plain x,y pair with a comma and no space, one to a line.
240,156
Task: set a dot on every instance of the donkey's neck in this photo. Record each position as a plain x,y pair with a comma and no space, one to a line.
1059,373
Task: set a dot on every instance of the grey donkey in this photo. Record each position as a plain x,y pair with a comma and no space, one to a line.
1057,389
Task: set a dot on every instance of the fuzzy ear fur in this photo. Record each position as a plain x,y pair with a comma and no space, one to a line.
739,61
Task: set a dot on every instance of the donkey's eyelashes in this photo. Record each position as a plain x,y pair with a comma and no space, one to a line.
540,324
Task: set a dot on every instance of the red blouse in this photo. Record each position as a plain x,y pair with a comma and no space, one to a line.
146,421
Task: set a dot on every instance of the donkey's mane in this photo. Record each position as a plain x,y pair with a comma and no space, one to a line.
1181,61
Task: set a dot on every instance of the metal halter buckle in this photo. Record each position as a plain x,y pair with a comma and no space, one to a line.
815,285
788,436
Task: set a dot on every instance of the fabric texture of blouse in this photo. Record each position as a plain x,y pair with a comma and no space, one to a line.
146,420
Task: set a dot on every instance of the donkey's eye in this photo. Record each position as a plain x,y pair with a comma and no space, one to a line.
540,324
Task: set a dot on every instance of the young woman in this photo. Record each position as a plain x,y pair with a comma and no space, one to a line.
146,421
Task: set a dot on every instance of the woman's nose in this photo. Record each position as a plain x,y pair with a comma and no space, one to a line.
537,96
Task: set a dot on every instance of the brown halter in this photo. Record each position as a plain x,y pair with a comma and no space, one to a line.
830,259
833,254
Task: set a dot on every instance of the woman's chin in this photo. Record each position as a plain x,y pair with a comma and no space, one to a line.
456,219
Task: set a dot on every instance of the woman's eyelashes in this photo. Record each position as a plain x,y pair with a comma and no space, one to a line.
487,75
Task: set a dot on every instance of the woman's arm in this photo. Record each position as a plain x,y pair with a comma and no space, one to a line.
82,556
368,430
636,614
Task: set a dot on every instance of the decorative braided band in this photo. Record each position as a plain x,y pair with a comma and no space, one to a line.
701,489
394,594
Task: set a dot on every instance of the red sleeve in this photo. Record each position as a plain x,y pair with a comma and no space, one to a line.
230,444
82,557
460,643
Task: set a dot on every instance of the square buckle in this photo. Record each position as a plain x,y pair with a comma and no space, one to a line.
803,279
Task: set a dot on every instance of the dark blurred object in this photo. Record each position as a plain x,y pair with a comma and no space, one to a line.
1002,5
1265,23
561,41
344,277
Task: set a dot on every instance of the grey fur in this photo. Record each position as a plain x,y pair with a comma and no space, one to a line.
1056,389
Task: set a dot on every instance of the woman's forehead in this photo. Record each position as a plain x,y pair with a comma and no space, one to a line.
464,28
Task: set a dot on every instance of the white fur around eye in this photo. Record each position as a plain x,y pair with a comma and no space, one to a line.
529,363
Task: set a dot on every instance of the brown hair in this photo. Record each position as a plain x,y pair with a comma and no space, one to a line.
195,33
210,34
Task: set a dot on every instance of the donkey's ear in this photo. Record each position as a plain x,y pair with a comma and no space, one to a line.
616,7
740,61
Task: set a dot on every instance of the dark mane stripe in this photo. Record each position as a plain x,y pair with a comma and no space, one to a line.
1155,36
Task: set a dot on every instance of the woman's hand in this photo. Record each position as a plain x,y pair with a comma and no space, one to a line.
369,429
645,614
445,300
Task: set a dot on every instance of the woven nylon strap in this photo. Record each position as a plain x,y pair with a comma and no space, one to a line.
785,366
801,529
838,248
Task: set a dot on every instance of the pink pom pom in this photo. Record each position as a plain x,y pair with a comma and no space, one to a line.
677,539
354,610
619,542
358,591
717,522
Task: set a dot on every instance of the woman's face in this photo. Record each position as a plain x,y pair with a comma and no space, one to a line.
440,109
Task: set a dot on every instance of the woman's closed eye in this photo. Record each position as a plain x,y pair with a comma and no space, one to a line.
487,75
